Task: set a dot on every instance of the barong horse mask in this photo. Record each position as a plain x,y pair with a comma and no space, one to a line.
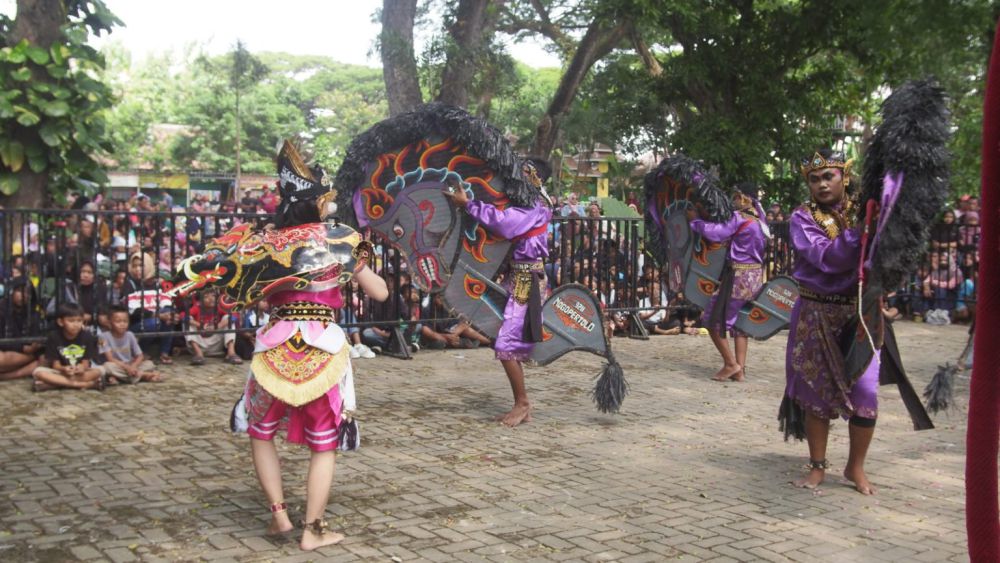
392,180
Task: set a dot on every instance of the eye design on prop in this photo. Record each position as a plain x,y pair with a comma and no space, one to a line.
397,230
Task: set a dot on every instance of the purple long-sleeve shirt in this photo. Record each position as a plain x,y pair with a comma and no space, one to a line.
514,222
747,244
822,265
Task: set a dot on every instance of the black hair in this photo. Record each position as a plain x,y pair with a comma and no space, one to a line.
69,310
748,189
116,308
297,213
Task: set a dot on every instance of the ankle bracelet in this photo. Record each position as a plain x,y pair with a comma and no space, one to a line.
279,507
821,464
317,526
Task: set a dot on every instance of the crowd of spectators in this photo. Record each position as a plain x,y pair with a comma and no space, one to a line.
108,258
943,290
113,257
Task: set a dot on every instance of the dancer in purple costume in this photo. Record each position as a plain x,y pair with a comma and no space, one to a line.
827,248
527,228
747,234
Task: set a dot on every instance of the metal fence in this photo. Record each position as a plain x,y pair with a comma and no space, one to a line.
100,258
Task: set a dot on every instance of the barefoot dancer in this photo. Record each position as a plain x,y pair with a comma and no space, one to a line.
301,376
528,229
827,248
747,233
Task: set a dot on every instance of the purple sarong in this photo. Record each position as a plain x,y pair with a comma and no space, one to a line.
815,374
510,343
747,280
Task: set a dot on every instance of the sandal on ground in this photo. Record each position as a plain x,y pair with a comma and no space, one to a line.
165,360
234,360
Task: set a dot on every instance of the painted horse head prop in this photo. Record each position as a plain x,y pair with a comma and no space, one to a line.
695,265
250,265
392,181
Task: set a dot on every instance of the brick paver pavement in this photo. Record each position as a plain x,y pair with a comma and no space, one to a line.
690,470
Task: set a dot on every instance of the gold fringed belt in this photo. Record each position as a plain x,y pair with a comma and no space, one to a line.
524,276
303,311
747,266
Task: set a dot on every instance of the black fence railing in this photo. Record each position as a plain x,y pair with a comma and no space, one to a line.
102,258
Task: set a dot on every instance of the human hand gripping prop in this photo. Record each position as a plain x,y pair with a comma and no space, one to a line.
393,181
904,186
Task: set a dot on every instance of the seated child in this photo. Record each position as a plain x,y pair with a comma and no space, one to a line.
207,316
685,317
438,334
70,353
124,360
253,318
17,320
654,316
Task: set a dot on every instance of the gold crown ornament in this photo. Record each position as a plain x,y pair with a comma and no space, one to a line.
818,162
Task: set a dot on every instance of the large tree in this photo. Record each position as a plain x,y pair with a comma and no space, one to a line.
399,64
51,101
751,86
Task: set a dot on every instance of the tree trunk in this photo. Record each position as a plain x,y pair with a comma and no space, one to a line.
236,188
470,34
31,192
399,64
596,43
39,22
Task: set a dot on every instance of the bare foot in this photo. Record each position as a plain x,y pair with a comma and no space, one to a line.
727,372
517,415
311,541
811,481
860,480
153,376
39,386
740,376
280,524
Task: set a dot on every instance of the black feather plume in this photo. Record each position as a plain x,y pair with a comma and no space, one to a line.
940,393
611,387
479,138
792,419
911,140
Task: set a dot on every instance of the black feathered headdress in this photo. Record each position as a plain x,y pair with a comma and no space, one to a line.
476,135
692,182
908,154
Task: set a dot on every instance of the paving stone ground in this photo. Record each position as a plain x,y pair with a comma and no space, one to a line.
690,470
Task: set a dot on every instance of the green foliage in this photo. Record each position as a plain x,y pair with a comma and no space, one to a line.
323,102
751,87
521,103
52,102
